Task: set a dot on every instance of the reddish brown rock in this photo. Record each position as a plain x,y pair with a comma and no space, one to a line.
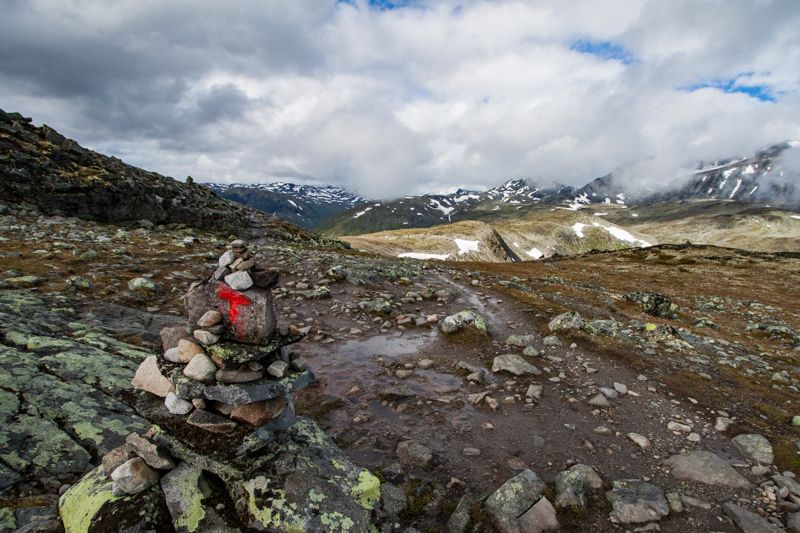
259,413
171,335
113,459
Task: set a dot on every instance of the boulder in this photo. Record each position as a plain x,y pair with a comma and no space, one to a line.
653,303
755,447
514,364
248,316
748,521
540,517
566,322
464,322
636,502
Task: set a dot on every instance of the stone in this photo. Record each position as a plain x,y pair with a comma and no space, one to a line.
134,476
640,440
598,400
705,467
172,355
464,322
210,318
379,306
540,517
239,281
722,423
521,341
393,499
241,393
790,484
176,405
748,521
278,369
675,502
566,322
258,413
513,499
206,337
754,447
142,284
591,480
459,520
570,490
149,452
211,422
171,336
636,502
227,259
200,368
653,303
187,350
113,459
534,392
237,376
148,378
247,316
220,273
425,364
514,364
793,522
184,490
413,453
551,340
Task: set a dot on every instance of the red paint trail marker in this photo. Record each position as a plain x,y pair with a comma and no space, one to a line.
234,299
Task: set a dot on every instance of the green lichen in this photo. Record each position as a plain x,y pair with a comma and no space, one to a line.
367,490
7,520
336,521
276,514
81,503
192,489
38,343
650,326
338,465
315,496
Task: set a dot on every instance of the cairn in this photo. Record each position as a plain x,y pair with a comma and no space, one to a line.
229,366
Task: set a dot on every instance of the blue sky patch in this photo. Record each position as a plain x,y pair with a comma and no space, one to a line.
603,49
733,85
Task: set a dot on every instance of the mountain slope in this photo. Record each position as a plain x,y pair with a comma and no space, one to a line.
41,169
304,205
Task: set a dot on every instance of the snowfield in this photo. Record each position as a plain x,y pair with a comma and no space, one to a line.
465,247
423,256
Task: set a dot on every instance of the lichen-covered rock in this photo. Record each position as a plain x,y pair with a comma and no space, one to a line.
513,499
185,488
755,447
466,321
635,502
566,322
653,303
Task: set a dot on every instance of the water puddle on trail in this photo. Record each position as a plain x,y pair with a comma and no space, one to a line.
369,364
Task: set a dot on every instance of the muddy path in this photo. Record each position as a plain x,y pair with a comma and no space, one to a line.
376,389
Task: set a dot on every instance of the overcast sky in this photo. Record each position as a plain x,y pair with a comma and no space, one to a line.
393,98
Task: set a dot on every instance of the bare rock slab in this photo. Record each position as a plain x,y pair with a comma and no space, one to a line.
748,521
755,447
636,502
705,467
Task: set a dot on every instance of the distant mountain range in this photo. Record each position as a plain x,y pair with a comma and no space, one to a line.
304,205
759,178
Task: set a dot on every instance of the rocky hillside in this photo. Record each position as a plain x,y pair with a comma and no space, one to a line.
42,170
304,205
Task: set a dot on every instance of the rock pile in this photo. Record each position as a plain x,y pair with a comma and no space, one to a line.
229,365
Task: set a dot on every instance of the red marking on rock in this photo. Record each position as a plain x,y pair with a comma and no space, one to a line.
234,299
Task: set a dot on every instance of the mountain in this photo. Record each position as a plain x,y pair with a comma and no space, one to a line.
304,205
42,170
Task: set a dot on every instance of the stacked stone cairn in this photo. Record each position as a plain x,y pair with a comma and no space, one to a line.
230,365
227,381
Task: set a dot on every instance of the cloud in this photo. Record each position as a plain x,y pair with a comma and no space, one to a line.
403,97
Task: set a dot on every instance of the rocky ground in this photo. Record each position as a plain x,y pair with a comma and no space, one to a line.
444,411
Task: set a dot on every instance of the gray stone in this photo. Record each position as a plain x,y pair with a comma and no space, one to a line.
755,447
705,467
566,322
278,369
211,422
636,502
748,521
149,452
463,322
788,483
540,517
142,284
239,281
521,341
227,259
591,480
237,376
210,318
793,522
177,406
187,349
254,391
675,502
599,400
134,476
206,337
459,520
200,368
393,499
514,364
513,499
570,490
551,340
412,453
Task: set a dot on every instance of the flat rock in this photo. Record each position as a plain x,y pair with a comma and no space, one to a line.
636,502
514,364
748,521
149,452
237,376
211,422
209,318
239,281
149,378
413,453
705,467
171,335
258,413
755,447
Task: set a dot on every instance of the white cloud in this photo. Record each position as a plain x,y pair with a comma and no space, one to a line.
408,100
